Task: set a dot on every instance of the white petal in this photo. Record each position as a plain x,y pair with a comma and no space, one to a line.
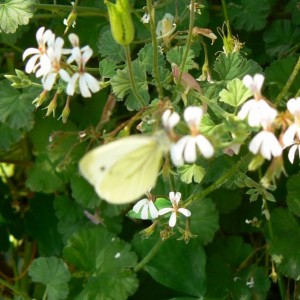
136,208
144,213
256,142
31,63
164,211
185,212
205,146
71,85
153,210
258,81
275,146
39,33
292,153
247,80
189,153
92,82
48,81
289,135
86,55
244,111
74,39
193,115
30,51
83,87
176,151
64,75
171,196
173,219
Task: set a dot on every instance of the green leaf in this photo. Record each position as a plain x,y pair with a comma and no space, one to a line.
292,8
204,221
293,196
284,242
54,274
175,55
14,13
176,272
249,15
281,37
43,177
145,56
41,212
278,73
190,173
83,192
234,65
108,261
226,200
109,48
121,85
107,68
9,136
16,109
235,94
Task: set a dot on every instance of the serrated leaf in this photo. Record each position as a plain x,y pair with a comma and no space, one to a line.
249,15
145,56
16,109
164,76
281,37
204,221
41,212
178,268
14,13
108,261
190,173
54,274
293,196
175,55
284,242
83,192
277,75
121,85
234,65
9,136
107,68
109,48
235,94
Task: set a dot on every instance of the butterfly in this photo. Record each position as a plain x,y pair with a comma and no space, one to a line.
125,169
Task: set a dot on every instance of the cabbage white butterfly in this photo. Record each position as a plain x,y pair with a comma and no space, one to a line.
125,169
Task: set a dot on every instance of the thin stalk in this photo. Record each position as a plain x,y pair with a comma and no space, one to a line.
151,12
80,9
148,257
289,82
224,7
131,77
14,289
188,42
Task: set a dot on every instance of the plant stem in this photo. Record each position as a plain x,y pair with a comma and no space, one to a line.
88,11
151,12
14,289
225,12
131,77
188,43
149,256
289,82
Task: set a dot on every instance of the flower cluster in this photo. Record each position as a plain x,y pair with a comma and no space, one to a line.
186,148
148,209
48,62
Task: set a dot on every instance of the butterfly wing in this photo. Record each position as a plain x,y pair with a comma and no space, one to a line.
132,175
123,170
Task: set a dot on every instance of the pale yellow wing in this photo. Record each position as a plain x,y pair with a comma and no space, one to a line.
131,176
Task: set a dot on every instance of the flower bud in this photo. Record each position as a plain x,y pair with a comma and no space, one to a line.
120,21
52,106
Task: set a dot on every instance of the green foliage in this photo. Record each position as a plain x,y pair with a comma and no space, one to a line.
62,238
14,13
54,274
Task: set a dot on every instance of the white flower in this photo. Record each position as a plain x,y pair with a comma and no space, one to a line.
292,152
170,119
185,150
174,198
258,112
54,53
254,84
146,206
145,18
39,63
266,143
87,83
